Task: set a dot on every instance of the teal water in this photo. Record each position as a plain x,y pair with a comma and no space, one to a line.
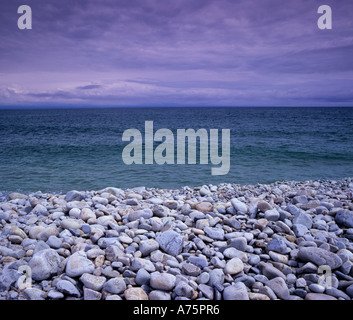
56,150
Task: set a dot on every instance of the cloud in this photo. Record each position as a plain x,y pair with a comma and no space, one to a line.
175,52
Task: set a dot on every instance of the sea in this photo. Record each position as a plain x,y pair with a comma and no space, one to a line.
61,149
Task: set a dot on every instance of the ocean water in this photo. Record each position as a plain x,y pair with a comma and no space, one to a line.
56,150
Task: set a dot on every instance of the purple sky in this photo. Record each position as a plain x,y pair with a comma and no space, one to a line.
176,52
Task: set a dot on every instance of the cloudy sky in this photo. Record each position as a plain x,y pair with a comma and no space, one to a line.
176,53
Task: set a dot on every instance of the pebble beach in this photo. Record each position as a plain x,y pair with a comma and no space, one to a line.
286,240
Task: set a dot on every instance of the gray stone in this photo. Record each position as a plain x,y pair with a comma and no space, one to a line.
55,295
303,218
234,266
147,246
216,277
144,213
349,290
162,281
89,294
279,287
115,285
300,230
207,291
238,243
318,296
272,215
142,277
203,278
191,270
34,294
140,263
54,242
78,264
73,196
184,290
159,295
8,277
199,261
214,233
68,288
270,271
264,206
237,291
93,282
40,210
171,242
277,245
44,264
320,257
113,252
240,207
70,224
344,218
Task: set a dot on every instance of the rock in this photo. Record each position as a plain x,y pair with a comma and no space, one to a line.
46,233
73,196
184,290
135,294
272,215
199,261
55,295
320,257
234,266
147,246
112,253
140,263
142,277
70,224
203,206
279,287
237,291
68,288
93,282
8,277
303,218
216,277
240,207
207,291
238,243
264,206
89,294
135,215
115,285
270,271
300,230
17,195
159,295
35,231
86,214
54,242
344,218
39,210
44,264
319,296
191,270
34,294
162,281
349,290
171,242
78,264
13,230
214,233
277,245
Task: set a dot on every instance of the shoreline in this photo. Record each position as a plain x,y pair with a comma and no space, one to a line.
226,241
